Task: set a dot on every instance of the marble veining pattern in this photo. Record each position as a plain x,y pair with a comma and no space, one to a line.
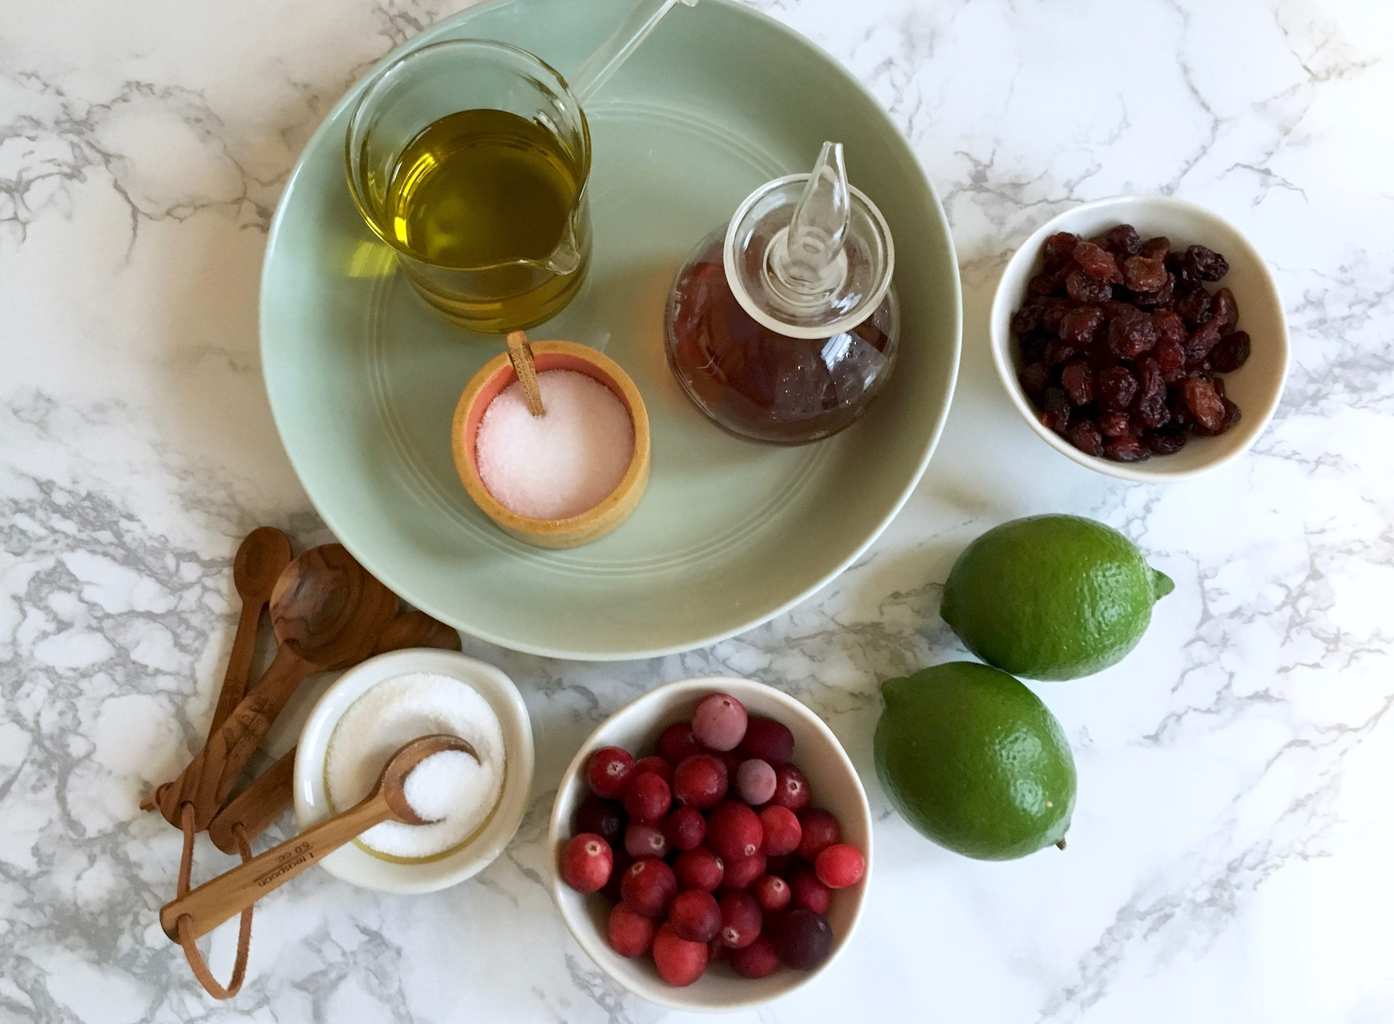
1228,861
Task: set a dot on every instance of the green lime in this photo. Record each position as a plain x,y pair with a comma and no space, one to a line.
973,760
1052,597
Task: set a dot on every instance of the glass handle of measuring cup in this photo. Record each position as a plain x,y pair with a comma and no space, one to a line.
606,60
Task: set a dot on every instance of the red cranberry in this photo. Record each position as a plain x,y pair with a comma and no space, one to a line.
734,831
719,722
757,960
649,886
653,763
768,740
699,869
740,919
840,865
695,916
586,862
700,781
755,781
685,827
809,892
679,961
803,939
741,873
647,798
771,892
642,840
603,817
791,788
819,831
630,934
677,742
608,771
782,830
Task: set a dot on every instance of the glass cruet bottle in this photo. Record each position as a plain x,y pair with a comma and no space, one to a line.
782,326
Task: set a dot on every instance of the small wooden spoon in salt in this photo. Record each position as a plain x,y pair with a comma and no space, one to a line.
213,902
520,355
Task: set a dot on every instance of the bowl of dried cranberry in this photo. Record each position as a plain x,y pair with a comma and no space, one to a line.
711,845
1141,336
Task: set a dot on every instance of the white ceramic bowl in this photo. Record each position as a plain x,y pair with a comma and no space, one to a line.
1255,387
354,864
835,786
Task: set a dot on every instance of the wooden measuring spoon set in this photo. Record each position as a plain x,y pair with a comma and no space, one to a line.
327,612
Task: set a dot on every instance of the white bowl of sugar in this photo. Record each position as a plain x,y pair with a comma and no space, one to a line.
387,701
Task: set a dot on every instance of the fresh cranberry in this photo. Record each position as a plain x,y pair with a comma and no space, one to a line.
740,873
631,934
608,771
820,830
803,939
734,831
771,892
782,830
642,840
679,961
695,915
755,781
719,722
810,893
757,960
647,798
700,781
653,763
649,886
677,742
768,740
603,817
791,788
740,918
685,827
840,865
699,869
586,862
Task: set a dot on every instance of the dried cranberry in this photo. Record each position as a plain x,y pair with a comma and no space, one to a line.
1113,424
1229,417
1218,382
1058,247
1033,347
1231,352
1026,319
1046,282
1160,298
1096,262
1080,324
1141,274
1052,312
1058,352
1086,438
1206,406
1034,377
1156,248
1225,309
1167,441
1198,346
1058,418
1171,359
1130,336
1078,381
1194,307
1206,264
1151,412
1122,240
1170,327
1083,288
1116,388
1149,379
1126,448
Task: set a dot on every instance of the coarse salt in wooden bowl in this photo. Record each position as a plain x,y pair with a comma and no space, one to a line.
596,521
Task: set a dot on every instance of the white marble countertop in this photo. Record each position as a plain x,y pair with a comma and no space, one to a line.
1229,856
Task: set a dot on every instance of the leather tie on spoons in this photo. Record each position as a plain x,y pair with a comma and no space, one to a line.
326,610
198,912
270,793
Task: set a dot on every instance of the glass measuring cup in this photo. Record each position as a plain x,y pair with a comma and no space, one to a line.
421,88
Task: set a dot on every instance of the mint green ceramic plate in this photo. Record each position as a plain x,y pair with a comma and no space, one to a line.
363,378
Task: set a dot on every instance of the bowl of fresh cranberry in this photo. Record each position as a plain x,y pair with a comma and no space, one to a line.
1141,336
711,845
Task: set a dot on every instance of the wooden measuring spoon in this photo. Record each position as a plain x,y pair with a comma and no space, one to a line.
270,793
326,610
215,901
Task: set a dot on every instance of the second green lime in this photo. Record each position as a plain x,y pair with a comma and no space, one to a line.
1052,597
